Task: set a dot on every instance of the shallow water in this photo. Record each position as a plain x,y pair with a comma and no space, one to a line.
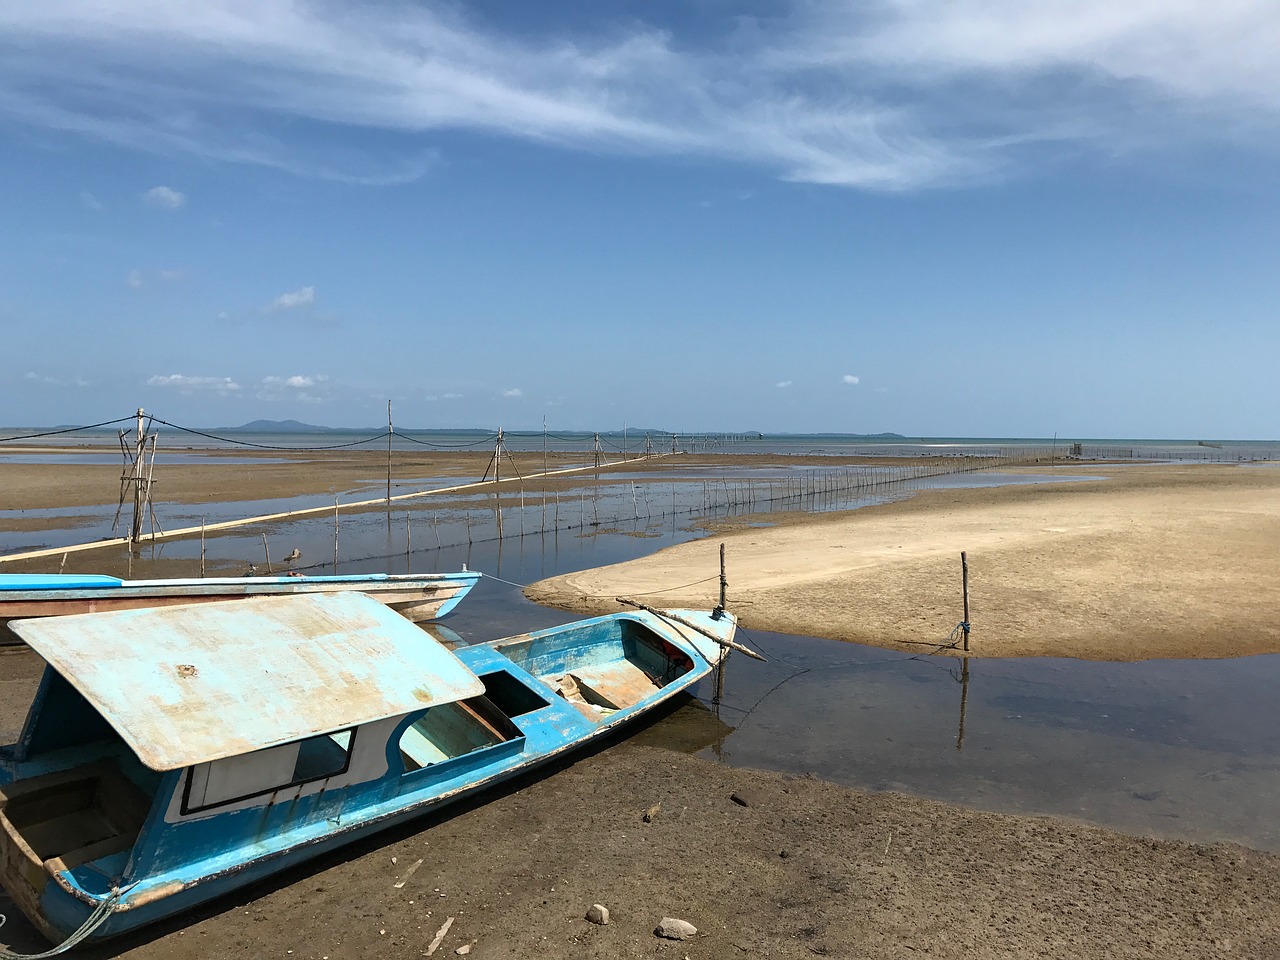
1174,748
1184,749
613,501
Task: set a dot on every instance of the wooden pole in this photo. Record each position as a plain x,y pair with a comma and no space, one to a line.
335,535
408,541
147,501
724,582
135,531
717,613
390,434
964,699
202,547
266,552
964,568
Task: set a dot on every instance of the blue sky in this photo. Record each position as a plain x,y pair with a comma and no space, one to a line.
952,218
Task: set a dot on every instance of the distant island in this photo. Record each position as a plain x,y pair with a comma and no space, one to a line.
297,426
278,426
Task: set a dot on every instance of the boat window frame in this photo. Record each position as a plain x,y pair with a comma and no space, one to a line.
186,808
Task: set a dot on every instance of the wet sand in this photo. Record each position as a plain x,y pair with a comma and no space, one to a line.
806,868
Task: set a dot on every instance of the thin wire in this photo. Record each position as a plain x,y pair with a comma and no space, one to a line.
265,446
54,433
510,583
452,446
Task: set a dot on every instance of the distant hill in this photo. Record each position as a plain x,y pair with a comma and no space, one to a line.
852,436
279,426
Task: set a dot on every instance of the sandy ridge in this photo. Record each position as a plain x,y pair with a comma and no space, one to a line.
1153,561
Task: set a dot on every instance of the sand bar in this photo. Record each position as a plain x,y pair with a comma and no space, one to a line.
1153,561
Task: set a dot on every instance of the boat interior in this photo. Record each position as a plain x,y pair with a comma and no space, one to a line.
58,821
89,807
600,667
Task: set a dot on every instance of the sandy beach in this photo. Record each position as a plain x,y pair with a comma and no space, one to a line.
1151,561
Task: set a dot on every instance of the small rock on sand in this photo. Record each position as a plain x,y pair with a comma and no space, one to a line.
673,929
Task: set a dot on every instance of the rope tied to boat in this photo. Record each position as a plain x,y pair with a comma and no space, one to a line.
100,915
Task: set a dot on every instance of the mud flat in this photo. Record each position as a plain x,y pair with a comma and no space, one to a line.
804,869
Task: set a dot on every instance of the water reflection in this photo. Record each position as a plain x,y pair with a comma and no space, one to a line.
1175,748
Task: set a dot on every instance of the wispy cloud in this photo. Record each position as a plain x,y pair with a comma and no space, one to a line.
783,384
189,384
513,392
300,388
137,279
850,379
90,201
43,379
891,94
298,298
166,198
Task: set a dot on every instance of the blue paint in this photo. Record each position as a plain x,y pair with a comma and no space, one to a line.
56,581
183,856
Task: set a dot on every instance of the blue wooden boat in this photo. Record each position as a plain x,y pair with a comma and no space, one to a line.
174,754
418,597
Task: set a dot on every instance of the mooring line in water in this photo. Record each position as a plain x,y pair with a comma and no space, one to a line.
510,583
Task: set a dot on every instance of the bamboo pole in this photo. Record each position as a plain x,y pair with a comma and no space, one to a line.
266,518
135,529
724,581
676,618
719,611
151,503
964,567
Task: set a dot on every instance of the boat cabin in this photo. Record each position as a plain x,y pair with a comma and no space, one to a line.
174,753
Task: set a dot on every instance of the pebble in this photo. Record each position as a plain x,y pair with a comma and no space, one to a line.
598,914
740,799
673,929
463,950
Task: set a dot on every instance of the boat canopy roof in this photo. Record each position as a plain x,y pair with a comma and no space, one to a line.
188,684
